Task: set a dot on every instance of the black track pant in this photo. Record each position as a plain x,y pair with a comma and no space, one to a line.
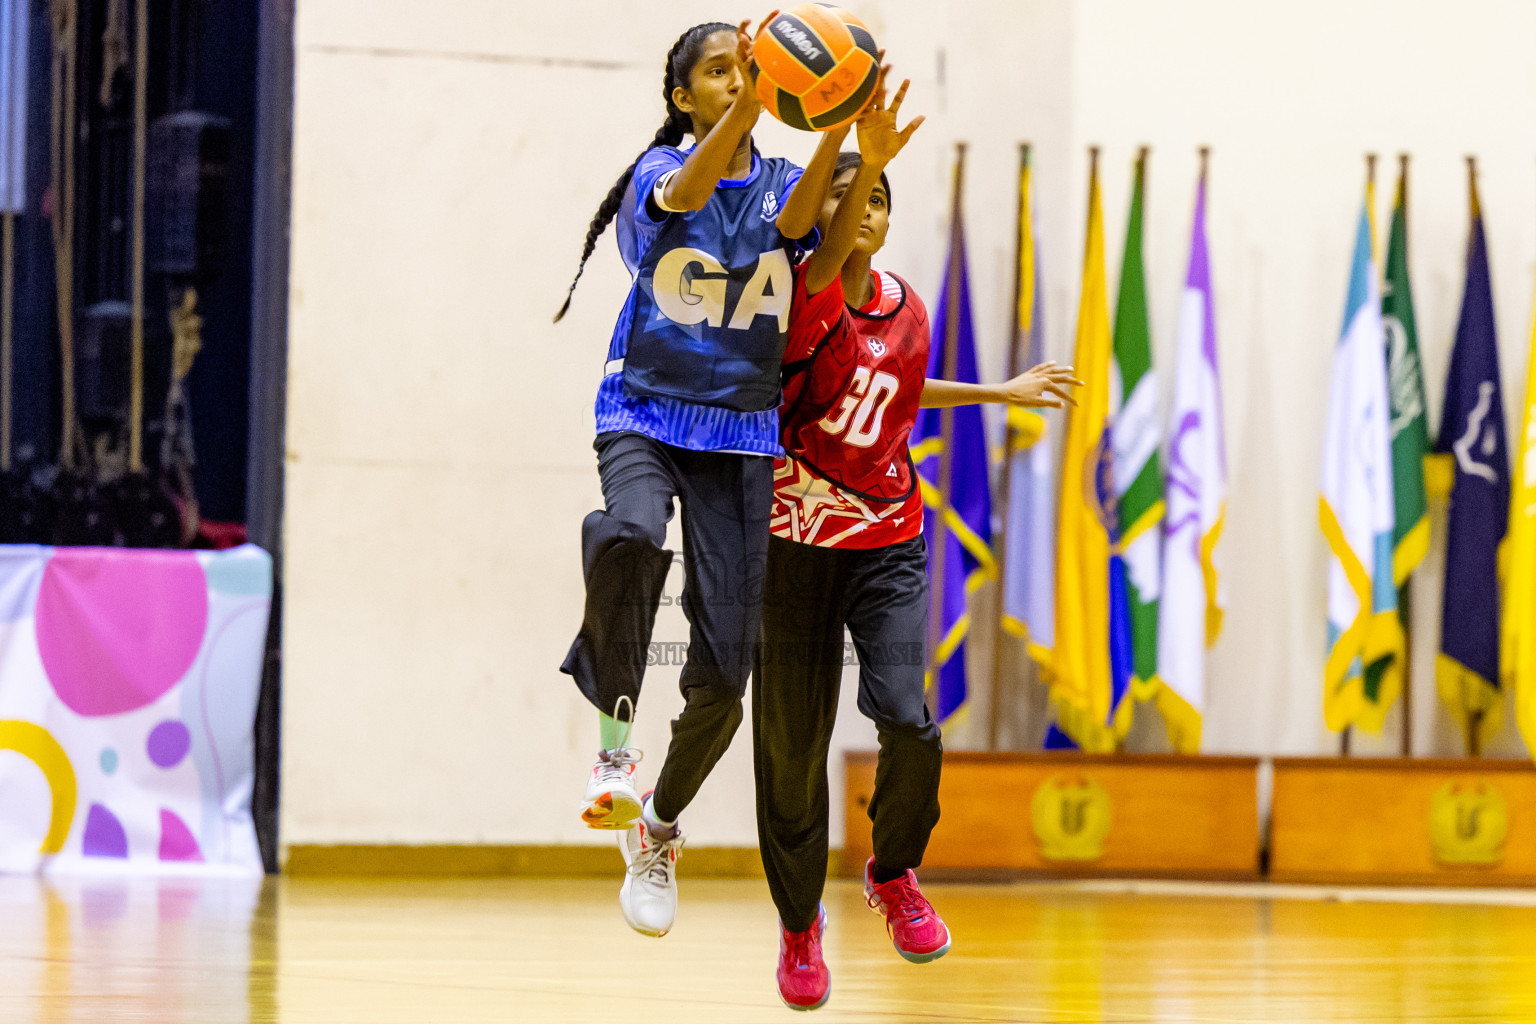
881,595
726,500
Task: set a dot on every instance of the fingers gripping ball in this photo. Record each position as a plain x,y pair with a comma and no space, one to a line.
815,66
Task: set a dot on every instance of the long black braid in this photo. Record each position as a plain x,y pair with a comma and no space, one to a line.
680,61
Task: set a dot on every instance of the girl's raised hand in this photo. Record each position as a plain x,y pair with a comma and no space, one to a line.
1046,386
760,25
746,104
744,40
879,139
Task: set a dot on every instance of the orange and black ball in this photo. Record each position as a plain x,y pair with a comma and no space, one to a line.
816,66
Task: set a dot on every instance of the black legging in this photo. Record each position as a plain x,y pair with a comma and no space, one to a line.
726,501
881,595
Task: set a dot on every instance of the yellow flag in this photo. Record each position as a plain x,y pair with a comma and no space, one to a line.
1517,655
1081,689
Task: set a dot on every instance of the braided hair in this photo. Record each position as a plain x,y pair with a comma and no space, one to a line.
849,160
680,61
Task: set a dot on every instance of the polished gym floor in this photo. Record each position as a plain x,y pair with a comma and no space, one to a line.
98,951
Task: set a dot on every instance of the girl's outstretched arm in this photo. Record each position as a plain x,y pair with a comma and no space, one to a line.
1046,386
879,142
803,206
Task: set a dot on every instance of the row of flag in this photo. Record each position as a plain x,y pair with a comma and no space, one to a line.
1137,598
1108,563
1109,566
1381,469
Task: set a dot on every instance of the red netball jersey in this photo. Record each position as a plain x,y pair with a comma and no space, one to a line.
854,378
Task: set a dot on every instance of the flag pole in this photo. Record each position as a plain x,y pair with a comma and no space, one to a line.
1405,596
1474,717
1005,480
946,428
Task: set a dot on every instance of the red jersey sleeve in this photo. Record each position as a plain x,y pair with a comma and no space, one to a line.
812,316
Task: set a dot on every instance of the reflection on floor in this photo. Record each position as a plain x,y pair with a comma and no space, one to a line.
97,951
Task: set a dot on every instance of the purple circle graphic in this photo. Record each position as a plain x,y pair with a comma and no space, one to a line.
104,835
169,743
115,629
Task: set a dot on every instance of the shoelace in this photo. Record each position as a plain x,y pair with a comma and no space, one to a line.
797,945
654,864
627,721
615,761
908,902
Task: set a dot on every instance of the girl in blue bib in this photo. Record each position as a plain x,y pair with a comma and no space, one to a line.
687,413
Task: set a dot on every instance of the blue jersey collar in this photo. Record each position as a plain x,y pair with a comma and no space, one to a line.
757,166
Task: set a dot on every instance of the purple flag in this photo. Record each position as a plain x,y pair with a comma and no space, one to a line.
1196,502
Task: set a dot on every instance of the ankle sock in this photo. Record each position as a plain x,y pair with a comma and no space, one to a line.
882,875
608,731
662,829
613,730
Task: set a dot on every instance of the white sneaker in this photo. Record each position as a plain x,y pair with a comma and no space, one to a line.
612,801
649,894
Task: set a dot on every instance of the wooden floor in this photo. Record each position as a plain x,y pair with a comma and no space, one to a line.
166,952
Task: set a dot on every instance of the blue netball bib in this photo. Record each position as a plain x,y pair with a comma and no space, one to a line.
711,295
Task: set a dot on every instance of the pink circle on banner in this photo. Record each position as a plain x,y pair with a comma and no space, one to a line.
117,629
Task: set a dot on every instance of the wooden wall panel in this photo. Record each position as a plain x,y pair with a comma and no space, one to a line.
1415,822
1080,815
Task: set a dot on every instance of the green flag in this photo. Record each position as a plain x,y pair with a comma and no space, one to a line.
1405,376
1136,432
1410,431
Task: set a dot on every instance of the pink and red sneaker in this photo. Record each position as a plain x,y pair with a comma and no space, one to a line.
804,981
918,933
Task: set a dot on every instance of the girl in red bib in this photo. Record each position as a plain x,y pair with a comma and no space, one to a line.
847,551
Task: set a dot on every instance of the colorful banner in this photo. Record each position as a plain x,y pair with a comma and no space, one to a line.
1092,658
1029,582
1517,658
1355,510
1191,603
1136,431
128,685
1410,437
964,500
1472,444
1405,376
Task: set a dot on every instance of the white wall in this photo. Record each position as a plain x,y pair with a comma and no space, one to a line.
1289,102
447,159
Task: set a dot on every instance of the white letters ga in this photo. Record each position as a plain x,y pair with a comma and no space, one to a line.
703,299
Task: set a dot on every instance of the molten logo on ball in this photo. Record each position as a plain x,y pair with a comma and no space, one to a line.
797,38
